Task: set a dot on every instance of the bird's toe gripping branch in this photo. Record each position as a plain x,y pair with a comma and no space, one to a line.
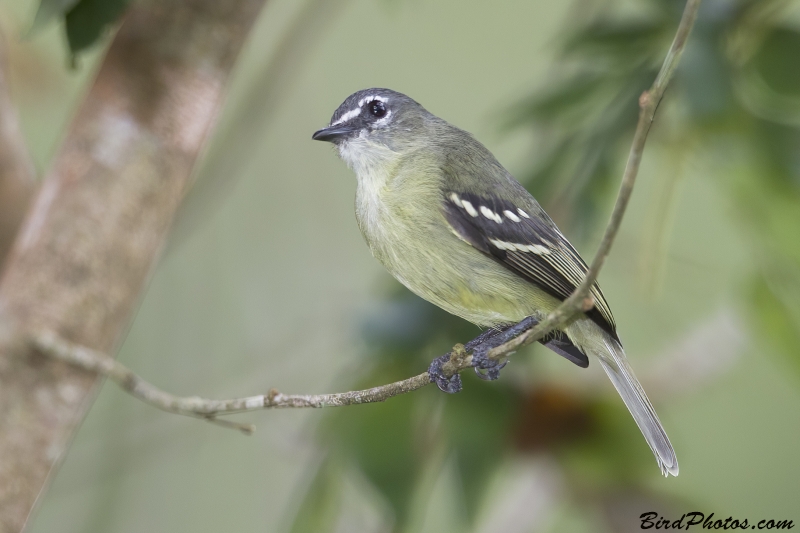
485,367
449,384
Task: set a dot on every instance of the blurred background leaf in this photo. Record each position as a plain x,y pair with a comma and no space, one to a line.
49,10
88,19
85,21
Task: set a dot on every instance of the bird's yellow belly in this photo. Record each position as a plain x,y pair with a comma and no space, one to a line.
451,274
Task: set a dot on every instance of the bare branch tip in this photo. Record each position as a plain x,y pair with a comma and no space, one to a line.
272,396
459,359
459,353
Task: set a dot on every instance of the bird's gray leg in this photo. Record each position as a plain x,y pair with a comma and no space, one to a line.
483,337
489,369
479,346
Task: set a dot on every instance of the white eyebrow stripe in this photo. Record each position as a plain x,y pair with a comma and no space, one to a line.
468,206
355,112
511,216
371,98
523,213
347,116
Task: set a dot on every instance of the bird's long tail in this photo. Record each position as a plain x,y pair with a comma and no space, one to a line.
616,365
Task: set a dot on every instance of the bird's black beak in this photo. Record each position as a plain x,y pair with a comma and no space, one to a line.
333,133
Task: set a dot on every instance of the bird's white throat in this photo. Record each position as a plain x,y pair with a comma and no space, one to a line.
374,166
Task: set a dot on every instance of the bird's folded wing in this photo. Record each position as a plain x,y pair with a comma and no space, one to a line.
528,245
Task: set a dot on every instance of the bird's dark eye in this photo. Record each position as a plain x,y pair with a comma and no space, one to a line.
377,108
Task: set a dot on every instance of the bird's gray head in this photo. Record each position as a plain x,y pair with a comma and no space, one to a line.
374,115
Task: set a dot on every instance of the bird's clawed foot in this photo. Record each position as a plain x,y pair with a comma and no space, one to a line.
485,367
451,384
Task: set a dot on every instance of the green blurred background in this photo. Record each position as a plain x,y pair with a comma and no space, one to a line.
266,281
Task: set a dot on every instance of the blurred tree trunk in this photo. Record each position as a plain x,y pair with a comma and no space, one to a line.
94,232
17,173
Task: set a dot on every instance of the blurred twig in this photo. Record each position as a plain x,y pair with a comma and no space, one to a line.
17,172
577,303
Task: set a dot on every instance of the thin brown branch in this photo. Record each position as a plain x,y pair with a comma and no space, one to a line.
57,347
100,363
579,302
17,172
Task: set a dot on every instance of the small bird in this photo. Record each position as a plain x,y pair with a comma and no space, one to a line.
451,224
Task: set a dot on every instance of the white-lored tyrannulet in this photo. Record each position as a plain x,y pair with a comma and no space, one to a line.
451,224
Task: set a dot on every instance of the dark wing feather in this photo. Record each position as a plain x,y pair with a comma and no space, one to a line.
561,344
528,245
